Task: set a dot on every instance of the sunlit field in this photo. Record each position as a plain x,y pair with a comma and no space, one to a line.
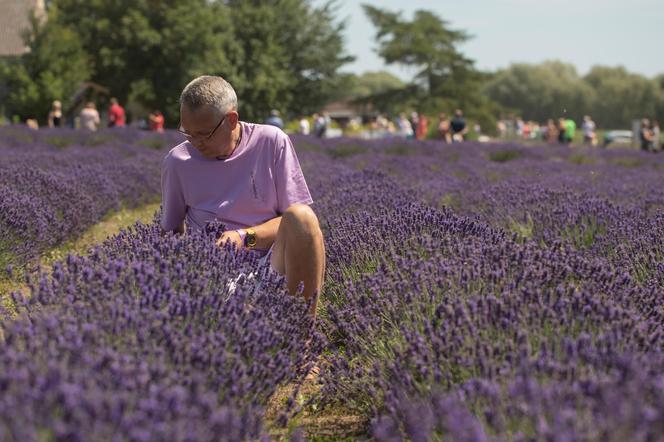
473,292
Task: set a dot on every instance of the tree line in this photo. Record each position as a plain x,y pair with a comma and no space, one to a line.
289,55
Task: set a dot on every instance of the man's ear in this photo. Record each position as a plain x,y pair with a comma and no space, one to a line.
233,118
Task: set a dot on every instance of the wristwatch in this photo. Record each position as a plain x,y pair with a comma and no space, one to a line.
250,238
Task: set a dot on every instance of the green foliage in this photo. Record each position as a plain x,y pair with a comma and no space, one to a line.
288,55
153,143
548,90
613,96
52,70
372,83
281,54
445,78
622,97
503,156
579,158
145,51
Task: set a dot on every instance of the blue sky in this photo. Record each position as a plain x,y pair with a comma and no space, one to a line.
582,32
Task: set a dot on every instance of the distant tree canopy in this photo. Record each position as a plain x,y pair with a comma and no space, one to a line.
280,54
611,95
372,83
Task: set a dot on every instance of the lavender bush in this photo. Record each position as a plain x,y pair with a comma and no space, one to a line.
146,340
473,292
56,183
465,328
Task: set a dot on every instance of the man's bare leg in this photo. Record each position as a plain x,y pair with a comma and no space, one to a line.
299,251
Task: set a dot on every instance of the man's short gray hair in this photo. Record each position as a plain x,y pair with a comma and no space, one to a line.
209,90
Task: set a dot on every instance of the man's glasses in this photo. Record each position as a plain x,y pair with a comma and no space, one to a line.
191,137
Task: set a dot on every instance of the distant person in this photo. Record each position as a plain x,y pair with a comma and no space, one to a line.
414,121
570,130
422,127
502,128
320,125
304,126
444,131
89,117
404,128
656,136
274,119
156,121
588,128
551,133
55,117
116,114
32,123
645,135
562,128
458,125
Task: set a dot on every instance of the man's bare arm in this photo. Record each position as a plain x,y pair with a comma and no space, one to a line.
266,233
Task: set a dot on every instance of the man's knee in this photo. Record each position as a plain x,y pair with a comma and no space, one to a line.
303,218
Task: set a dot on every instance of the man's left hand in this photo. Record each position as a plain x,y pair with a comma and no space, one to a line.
233,236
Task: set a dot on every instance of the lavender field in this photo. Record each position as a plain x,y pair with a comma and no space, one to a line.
473,292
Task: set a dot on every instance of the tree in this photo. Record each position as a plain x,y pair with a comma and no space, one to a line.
548,90
52,70
145,51
425,43
289,56
373,83
622,96
445,78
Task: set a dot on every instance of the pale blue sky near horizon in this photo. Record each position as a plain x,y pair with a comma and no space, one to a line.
581,32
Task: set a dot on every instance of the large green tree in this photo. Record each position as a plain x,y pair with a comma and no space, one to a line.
289,55
145,51
622,97
281,54
444,78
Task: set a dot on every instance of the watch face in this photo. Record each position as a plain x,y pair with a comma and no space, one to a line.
250,239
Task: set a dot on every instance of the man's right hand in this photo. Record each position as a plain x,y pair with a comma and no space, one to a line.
233,236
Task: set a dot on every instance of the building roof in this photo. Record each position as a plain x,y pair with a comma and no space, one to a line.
14,20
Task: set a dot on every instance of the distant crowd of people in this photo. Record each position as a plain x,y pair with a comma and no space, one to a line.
318,126
560,131
563,131
416,126
90,119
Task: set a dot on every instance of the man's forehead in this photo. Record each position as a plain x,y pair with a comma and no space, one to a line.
201,112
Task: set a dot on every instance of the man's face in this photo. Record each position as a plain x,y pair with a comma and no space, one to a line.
208,130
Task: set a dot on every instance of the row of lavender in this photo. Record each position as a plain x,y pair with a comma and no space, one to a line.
56,183
145,339
437,324
458,326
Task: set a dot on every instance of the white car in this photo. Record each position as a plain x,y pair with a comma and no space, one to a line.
618,137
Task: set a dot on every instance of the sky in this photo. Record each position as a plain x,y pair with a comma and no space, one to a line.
584,33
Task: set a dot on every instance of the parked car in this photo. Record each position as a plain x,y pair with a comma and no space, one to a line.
618,137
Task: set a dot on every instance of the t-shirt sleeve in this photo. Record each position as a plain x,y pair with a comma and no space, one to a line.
291,186
172,197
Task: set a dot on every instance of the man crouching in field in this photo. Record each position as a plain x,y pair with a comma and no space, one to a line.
247,176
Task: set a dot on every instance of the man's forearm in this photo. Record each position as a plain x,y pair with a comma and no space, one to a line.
266,233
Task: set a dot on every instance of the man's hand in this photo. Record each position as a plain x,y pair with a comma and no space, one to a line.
230,235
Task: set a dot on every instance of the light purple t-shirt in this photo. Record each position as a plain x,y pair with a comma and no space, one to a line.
258,182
